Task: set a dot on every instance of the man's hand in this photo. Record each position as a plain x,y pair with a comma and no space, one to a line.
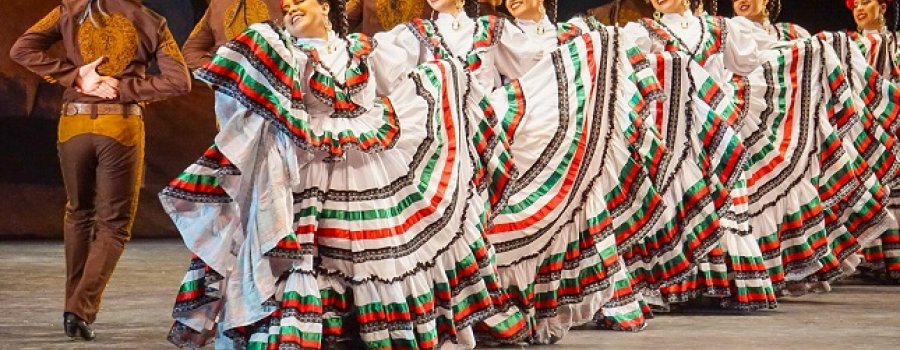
90,82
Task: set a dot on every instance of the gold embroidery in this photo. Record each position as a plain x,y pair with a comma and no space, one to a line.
127,131
391,12
235,22
47,22
170,46
199,25
50,79
116,39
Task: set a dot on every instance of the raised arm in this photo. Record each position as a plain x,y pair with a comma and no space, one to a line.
515,53
634,34
397,52
744,45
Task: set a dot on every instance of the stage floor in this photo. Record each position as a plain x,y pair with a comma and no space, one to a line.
137,305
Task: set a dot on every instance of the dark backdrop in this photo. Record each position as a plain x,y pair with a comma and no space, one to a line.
814,15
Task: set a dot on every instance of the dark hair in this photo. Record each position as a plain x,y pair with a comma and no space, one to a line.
896,22
471,8
774,8
550,6
337,14
711,6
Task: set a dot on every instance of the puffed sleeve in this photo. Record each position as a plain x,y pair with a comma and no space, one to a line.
397,52
634,34
581,23
744,43
515,54
802,33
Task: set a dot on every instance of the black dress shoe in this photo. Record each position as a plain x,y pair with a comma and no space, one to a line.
76,327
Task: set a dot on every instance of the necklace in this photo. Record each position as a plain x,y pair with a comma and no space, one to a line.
681,43
330,45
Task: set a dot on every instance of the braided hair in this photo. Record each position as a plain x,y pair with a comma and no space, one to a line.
710,6
774,9
550,6
471,8
337,14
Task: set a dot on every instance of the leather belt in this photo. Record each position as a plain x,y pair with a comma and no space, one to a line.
94,109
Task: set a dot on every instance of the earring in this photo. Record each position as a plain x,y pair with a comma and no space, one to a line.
330,47
540,28
459,8
657,16
687,5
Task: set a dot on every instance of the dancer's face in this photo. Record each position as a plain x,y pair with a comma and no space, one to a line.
754,10
526,9
669,6
305,18
868,14
445,6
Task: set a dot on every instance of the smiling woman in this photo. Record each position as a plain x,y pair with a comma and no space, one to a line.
313,18
870,14
877,38
763,13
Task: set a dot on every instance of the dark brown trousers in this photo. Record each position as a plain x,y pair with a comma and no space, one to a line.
102,161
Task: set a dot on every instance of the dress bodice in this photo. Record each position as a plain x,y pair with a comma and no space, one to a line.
490,47
723,46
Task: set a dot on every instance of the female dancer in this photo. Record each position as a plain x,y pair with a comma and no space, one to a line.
622,175
322,203
867,69
723,47
687,237
841,240
882,52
